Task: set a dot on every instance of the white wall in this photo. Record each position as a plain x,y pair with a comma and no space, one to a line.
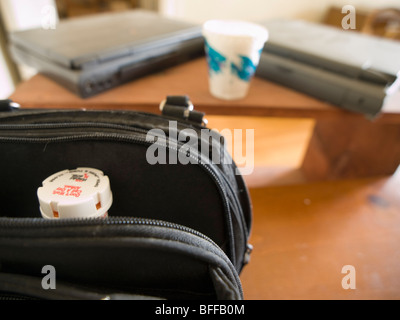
21,15
6,83
24,14
198,11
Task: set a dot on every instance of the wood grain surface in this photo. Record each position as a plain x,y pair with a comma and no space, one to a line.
303,235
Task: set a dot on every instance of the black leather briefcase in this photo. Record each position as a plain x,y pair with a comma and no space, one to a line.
174,230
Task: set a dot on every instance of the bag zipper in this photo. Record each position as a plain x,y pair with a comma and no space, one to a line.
39,223
111,221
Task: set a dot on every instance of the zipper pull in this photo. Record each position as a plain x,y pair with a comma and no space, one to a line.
8,105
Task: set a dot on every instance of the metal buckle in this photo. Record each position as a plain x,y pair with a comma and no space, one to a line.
189,107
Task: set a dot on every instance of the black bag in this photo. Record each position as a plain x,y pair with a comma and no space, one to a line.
176,231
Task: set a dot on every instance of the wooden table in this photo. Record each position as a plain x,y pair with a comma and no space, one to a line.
303,236
343,145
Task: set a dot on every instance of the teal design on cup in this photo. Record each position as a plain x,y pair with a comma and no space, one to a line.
215,59
246,69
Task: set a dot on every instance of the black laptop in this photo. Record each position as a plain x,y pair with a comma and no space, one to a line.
92,54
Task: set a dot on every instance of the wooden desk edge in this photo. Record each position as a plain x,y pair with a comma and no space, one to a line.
218,110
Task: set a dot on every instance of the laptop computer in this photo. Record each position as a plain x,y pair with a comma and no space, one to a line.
92,54
351,70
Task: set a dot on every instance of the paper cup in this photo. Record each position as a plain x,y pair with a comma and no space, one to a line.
233,50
